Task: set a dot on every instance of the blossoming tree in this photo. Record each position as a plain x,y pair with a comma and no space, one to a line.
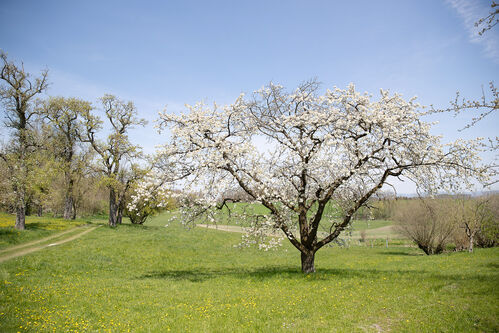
148,197
338,149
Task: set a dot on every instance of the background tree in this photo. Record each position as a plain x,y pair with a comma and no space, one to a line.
488,235
476,218
116,151
17,92
337,149
44,172
65,116
148,197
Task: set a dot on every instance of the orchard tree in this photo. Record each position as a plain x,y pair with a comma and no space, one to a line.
116,151
65,116
17,92
300,153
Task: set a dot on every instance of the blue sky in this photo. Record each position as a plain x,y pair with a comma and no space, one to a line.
159,53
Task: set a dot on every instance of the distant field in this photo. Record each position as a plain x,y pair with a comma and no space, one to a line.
157,279
233,216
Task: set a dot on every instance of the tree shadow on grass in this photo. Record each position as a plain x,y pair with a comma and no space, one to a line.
492,265
6,232
287,272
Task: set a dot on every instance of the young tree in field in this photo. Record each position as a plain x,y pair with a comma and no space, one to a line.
65,116
17,92
116,151
338,149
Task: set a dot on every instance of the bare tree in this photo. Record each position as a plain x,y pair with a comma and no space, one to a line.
17,92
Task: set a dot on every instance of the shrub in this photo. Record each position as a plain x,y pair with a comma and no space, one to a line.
427,222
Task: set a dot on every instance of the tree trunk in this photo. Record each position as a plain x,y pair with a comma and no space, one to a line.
20,216
68,206
425,249
307,262
27,206
119,216
73,217
472,236
112,208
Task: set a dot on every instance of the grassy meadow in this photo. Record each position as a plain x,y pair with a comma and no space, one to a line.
154,278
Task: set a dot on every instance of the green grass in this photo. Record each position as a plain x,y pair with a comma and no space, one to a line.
358,225
155,279
233,212
36,228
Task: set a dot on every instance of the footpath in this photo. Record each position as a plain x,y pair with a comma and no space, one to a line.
40,244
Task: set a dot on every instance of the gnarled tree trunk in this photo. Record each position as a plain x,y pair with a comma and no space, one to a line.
20,215
69,201
307,262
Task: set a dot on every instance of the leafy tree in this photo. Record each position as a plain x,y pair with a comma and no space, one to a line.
116,151
336,149
65,116
17,92
43,175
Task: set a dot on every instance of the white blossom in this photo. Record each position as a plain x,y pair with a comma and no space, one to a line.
337,150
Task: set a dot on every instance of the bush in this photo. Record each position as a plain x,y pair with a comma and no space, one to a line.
427,222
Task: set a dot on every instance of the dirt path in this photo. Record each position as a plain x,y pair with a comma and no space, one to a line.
235,228
222,227
38,248
41,240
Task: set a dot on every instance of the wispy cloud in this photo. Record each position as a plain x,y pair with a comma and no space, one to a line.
470,11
